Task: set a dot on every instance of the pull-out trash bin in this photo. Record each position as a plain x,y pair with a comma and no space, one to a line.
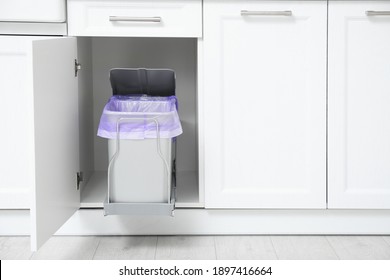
141,129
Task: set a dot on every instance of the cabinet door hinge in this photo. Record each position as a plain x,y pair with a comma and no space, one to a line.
77,67
80,178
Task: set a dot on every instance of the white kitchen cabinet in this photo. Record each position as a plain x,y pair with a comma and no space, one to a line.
53,121
359,101
51,118
265,104
256,83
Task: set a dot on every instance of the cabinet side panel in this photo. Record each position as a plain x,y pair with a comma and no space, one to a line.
85,98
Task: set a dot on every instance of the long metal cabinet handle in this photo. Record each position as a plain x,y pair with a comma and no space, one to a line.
378,13
266,13
135,19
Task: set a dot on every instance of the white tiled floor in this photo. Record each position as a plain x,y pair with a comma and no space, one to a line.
200,247
185,248
360,247
126,248
68,248
244,248
15,248
303,248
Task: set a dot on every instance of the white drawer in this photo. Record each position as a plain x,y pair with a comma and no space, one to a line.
135,18
32,11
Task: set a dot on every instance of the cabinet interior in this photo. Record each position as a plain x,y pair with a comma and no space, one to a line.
97,56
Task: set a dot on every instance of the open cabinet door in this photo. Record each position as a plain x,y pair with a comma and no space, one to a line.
55,195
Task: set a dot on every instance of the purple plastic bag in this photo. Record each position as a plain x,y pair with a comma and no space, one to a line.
136,117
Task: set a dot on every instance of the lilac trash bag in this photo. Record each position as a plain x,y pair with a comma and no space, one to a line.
137,117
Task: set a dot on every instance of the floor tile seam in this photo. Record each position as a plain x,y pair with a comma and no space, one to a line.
273,246
387,242
215,247
331,246
97,246
155,249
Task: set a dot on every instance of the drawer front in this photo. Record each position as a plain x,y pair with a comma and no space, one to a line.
32,11
147,18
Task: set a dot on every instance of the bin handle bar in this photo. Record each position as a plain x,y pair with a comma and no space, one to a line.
117,150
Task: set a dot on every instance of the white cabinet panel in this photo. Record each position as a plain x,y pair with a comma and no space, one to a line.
359,102
17,126
265,104
33,11
55,196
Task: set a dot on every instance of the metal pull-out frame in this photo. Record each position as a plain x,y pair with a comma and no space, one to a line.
144,208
